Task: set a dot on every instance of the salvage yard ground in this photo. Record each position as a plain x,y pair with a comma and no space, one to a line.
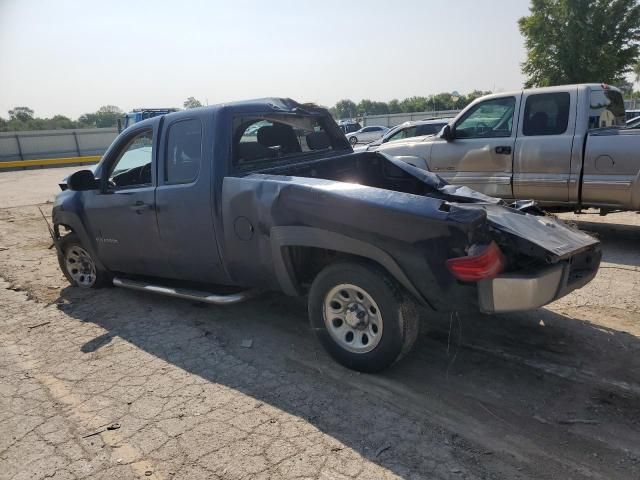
116,384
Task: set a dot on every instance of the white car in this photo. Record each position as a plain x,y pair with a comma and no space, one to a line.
366,135
411,129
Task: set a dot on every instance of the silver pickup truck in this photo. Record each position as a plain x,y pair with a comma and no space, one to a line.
563,146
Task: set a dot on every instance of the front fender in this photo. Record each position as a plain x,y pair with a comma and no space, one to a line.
71,221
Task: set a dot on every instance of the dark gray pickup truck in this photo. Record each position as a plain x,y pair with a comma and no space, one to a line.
217,203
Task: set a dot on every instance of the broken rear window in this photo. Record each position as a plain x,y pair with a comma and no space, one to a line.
261,141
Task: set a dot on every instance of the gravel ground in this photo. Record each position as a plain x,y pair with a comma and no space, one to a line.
119,384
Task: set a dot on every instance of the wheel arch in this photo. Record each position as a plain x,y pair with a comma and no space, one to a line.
284,241
71,222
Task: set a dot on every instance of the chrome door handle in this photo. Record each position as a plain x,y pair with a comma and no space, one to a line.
503,150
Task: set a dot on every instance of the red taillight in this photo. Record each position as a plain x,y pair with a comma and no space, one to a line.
488,264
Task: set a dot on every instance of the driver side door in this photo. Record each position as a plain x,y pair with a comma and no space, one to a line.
480,155
122,213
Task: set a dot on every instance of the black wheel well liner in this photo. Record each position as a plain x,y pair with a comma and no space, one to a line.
288,243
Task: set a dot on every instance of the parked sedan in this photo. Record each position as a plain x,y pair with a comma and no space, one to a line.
410,129
367,134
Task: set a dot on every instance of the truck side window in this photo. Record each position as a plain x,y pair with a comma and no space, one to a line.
133,166
546,114
606,109
184,152
489,119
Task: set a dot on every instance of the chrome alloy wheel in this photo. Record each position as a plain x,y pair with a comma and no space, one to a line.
80,266
352,318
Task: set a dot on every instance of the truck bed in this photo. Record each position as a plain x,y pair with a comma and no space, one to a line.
611,169
376,170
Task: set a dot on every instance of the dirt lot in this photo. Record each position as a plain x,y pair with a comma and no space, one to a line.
118,384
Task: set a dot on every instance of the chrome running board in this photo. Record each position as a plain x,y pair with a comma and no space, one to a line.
187,294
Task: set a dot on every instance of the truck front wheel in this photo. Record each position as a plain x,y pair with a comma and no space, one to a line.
77,264
361,316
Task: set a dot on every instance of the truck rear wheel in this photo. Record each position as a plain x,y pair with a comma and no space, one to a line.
361,316
78,266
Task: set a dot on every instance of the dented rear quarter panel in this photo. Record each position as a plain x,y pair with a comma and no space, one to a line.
411,229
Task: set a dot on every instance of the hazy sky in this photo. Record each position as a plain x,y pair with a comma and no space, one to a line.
72,56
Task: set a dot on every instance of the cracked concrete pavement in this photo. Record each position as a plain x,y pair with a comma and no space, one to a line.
118,384
190,411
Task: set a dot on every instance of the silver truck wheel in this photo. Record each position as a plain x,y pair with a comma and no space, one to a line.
353,318
362,317
353,140
80,266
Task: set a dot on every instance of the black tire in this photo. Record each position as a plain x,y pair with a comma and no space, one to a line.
67,244
353,140
399,315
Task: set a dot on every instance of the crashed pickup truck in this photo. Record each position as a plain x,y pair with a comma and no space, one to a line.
214,204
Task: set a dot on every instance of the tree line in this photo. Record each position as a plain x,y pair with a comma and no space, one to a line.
23,118
442,101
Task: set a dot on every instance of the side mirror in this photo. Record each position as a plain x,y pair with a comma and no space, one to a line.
447,133
82,180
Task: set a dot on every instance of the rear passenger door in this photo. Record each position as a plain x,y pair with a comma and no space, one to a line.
542,161
184,203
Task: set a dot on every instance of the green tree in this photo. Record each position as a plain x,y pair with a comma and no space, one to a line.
22,114
576,41
192,102
107,116
60,122
473,95
394,106
370,107
415,104
87,120
346,109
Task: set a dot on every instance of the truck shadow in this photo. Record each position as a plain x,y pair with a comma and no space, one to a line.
620,241
491,391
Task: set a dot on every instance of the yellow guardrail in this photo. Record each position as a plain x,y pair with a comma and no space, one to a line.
49,161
